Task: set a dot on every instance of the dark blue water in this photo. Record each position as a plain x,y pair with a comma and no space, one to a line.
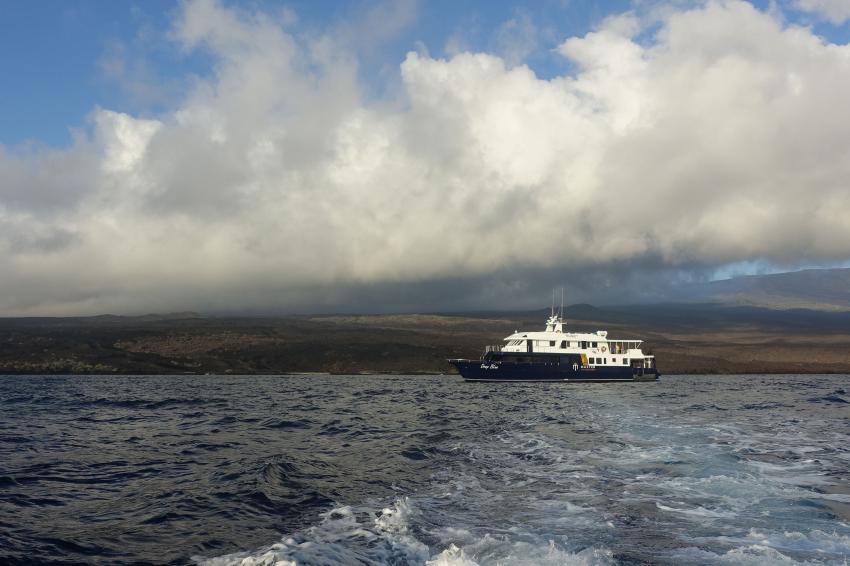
424,470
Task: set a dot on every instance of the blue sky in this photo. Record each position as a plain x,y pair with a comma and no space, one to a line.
54,56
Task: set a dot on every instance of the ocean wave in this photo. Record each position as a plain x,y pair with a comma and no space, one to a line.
423,471
347,536
343,537
760,548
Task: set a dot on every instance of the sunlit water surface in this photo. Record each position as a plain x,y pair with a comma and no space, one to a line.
424,470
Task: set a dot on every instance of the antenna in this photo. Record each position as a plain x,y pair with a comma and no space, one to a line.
552,310
561,314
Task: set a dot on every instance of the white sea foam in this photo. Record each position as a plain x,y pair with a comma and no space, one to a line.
806,473
492,550
816,541
751,555
731,494
697,511
764,548
342,537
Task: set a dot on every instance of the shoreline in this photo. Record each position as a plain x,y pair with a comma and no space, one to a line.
387,373
708,341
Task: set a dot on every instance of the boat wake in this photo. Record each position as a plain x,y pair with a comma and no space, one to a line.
602,482
403,471
347,535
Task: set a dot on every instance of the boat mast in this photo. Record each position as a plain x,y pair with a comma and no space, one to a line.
561,312
552,310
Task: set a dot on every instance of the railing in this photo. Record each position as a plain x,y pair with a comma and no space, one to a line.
492,348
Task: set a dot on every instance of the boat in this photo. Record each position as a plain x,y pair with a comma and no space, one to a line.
557,355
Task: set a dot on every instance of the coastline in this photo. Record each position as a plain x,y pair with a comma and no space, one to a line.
686,341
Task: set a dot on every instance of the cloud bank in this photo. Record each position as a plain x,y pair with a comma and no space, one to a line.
715,135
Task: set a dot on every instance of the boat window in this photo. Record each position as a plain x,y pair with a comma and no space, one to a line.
593,344
613,360
625,361
584,344
551,342
592,361
564,344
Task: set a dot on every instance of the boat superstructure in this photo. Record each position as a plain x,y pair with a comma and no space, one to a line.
555,354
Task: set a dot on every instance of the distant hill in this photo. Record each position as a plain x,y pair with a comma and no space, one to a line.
789,322
819,289
99,319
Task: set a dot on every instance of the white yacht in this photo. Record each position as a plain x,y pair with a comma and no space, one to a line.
556,354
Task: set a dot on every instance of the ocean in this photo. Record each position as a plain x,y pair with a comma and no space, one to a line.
262,470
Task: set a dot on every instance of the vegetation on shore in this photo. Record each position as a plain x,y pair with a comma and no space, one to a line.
685,338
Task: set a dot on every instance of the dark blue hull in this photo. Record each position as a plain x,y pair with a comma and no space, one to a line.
549,368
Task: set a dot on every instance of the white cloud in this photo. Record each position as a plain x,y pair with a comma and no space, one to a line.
517,38
836,11
725,138
124,140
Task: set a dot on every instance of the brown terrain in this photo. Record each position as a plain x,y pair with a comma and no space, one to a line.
705,338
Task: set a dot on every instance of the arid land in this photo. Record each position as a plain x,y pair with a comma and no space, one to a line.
685,339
